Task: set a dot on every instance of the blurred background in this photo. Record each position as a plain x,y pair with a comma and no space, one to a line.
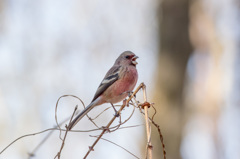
189,60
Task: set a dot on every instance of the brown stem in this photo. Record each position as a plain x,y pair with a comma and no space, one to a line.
148,127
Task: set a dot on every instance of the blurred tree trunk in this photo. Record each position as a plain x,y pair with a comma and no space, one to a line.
211,90
175,50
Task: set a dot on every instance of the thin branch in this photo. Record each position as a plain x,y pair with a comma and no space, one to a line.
97,117
33,134
125,127
161,137
31,154
46,130
155,110
92,119
159,132
101,113
57,108
54,129
146,105
63,141
118,146
121,123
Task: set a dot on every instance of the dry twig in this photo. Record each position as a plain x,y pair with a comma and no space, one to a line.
32,153
63,140
161,137
118,146
145,106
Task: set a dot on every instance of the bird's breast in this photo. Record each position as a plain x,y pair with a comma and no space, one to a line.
119,89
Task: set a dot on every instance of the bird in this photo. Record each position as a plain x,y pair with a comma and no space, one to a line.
115,86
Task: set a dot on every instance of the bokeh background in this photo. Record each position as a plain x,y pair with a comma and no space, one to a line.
189,59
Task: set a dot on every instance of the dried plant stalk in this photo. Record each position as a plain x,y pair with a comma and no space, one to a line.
145,106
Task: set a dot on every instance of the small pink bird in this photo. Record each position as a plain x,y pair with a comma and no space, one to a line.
117,83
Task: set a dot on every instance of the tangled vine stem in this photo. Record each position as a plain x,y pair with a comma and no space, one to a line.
58,155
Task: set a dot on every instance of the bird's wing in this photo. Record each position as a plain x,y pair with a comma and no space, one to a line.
111,77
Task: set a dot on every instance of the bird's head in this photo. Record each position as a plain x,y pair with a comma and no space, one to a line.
127,58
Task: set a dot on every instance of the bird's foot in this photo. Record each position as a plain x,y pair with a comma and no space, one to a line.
130,94
116,112
125,102
105,128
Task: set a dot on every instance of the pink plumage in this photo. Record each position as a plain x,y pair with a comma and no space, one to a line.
119,80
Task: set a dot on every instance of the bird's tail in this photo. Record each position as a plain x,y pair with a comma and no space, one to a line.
81,115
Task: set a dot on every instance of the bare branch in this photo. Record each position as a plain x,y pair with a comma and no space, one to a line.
31,154
159,131
161,137
118,146
63,141
121,123
146,105
33,134
57,108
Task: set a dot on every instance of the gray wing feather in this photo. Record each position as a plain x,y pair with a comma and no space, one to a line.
111,77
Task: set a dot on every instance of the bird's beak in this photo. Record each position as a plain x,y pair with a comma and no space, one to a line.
134,60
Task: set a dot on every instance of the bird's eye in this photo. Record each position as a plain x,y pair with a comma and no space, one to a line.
127,57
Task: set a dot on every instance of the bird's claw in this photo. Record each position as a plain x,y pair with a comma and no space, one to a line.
130,93
116,114
125,102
